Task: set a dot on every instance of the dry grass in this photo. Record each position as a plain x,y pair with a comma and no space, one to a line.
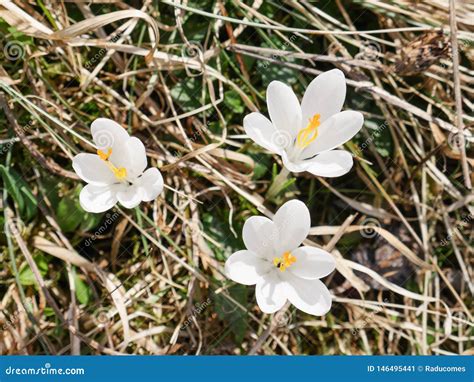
181,77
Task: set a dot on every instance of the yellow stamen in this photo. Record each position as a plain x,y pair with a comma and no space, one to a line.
288,258
309,133
285,261
120,172
104,156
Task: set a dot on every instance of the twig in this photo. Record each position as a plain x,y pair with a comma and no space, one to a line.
266,333
294,30
457,93
47,163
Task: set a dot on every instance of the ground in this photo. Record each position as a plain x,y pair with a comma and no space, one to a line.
150,280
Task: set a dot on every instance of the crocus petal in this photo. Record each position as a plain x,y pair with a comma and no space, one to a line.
325,95
129,196
137,155
92,169
294,166
263,132
312,263
150,184
245,267
259,234
284,108
97,199
293,223
122,156
336,131
107,133
270,293
310,296
330,163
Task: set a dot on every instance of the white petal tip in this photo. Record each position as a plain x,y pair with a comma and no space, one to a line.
276,83
295,203
338,72
102,120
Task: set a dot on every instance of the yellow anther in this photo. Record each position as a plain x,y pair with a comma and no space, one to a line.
104,156
288,258
284,262
120,173
309,133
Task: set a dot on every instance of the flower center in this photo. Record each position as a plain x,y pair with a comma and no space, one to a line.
309,133
119,172
285,261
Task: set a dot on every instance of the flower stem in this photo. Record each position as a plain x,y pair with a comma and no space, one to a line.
274,322
278,183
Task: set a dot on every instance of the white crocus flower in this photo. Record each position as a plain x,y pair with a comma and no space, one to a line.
278,266
305,135
117,172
